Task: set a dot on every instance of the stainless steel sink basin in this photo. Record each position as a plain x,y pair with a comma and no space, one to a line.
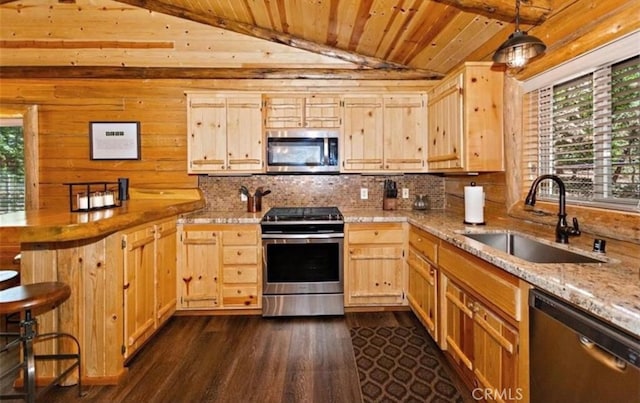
529,249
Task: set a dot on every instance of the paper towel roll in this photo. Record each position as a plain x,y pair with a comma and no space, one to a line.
473,204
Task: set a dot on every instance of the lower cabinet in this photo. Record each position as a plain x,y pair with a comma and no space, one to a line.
422,292
219,267
374,264
149,263
484,325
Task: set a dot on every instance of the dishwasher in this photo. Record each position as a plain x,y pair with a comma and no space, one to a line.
575,357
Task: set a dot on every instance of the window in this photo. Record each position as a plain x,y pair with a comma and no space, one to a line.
12,172
586,130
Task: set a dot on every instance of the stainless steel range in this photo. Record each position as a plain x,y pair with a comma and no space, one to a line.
302,261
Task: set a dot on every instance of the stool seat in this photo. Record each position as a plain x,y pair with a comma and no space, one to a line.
46,295
8,279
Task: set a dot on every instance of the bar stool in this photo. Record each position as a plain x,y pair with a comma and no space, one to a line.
31,300
8,279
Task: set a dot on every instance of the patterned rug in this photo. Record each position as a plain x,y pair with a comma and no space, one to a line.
401,364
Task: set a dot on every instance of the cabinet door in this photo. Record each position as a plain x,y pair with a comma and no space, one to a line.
457,322
405,133
375,275
198,285
446,127
166,256
422,295
283,111
207,142
495,352
322,111
362,140
245,148
139,287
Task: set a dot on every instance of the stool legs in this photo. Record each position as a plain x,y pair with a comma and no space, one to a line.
27,336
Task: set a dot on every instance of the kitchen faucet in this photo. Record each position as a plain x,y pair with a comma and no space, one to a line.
563,230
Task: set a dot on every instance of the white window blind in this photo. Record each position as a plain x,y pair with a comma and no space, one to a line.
12,173
587,132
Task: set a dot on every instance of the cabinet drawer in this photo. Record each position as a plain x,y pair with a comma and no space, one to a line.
424,243
240,255
232,275
241,237
378,234
492,283
240,296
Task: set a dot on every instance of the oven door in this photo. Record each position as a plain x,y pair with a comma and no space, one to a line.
303,264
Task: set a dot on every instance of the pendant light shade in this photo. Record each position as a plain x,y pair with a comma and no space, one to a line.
520,47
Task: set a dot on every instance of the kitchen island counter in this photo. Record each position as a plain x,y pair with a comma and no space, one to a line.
608,290
36,226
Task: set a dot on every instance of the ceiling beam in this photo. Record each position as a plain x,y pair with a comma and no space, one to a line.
531,11
272,36
193,73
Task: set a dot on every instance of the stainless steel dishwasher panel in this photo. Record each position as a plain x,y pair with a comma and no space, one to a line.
575,357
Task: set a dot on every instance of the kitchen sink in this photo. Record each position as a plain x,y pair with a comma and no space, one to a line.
529,249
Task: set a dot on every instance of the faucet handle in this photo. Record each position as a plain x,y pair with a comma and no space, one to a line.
576,227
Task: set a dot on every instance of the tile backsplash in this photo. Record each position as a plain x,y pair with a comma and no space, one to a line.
222,192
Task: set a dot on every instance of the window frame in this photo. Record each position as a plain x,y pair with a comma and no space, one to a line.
590,63
29,116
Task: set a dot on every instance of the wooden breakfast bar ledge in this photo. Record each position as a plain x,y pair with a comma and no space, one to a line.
85,250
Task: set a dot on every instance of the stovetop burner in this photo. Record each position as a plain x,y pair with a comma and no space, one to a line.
303,214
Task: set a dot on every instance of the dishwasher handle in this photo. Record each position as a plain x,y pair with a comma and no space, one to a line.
601,355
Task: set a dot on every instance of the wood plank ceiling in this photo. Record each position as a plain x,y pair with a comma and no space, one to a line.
349,39
424,35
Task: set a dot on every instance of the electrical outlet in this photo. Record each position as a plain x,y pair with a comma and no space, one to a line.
364,193
243,197
405,193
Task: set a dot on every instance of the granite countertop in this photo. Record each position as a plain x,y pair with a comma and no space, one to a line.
608,290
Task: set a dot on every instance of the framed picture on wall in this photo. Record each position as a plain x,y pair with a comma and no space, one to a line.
114,140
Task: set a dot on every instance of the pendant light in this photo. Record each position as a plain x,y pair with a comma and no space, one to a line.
520,47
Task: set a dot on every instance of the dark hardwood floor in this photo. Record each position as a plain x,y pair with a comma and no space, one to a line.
243,359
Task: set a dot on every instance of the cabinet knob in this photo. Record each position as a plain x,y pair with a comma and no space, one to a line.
239,272
239,253
126,286
375,233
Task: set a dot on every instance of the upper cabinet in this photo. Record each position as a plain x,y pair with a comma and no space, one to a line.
384,133
362,139
296,111
225,133
465,121
405,133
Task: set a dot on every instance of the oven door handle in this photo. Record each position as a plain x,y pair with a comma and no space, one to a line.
304,236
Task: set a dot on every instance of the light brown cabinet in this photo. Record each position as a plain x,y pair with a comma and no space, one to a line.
149,263
384,133
374,266
301,111
422,292
362,141
241,267
225,133
465,120
484,323
405,133
198,284
220,267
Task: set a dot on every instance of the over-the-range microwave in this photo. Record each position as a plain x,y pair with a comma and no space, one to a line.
302,151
